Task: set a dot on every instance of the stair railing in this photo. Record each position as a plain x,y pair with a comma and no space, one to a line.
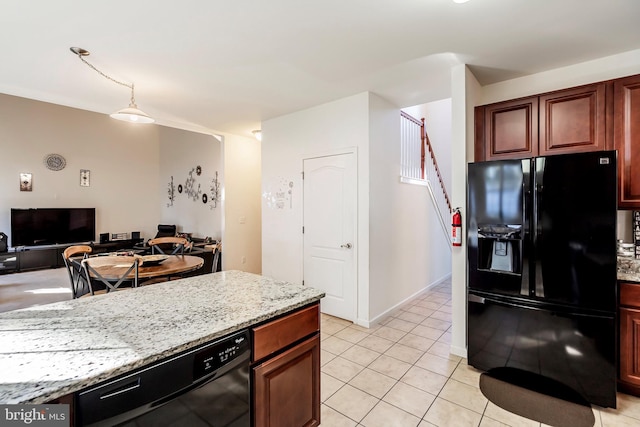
414,139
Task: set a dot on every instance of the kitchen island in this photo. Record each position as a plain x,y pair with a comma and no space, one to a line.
54,350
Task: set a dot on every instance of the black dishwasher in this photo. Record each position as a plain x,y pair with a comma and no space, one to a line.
205,386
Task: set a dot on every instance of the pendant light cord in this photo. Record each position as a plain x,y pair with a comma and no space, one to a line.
130,86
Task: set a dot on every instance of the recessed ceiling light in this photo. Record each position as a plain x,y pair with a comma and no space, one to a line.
460,1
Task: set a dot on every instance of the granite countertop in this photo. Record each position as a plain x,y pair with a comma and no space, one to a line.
52,350
629,269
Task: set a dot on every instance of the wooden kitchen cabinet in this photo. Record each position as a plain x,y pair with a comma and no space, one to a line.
285,371
566,121
508,130
573,120
629,380
626,130
599,116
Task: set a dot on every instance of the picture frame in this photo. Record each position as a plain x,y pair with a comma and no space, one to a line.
26,183
85,178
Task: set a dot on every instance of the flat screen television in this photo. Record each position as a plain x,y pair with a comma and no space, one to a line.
50,226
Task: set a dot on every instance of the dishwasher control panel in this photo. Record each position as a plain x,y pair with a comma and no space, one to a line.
212,358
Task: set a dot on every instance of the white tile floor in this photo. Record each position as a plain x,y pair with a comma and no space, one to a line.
400,373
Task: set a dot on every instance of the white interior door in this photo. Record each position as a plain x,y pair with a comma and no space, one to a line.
330,191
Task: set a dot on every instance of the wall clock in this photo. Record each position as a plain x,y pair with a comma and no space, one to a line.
55,162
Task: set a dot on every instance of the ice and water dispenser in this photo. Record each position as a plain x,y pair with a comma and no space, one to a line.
500,248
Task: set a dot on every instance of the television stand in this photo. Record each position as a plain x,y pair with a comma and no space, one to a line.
38,258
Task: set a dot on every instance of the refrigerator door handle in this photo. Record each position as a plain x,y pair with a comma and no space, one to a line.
475,298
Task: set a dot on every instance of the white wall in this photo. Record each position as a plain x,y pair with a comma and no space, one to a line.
242,240
286,141
123,160
181,152
437,116
393,264
130,168
408,249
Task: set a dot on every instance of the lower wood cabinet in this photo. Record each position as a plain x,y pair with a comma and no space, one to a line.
285,373
287,387
629,313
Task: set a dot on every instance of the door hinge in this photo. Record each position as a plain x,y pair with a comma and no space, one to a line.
303,229
303,283
302,174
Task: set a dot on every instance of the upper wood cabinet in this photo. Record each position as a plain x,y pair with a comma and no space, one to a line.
566,121
511,129
626,130
573,120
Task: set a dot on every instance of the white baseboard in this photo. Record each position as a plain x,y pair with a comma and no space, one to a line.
398,306
458,351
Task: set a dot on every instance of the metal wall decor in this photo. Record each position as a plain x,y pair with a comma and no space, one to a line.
190,187
25,182
193,190
172,193
215,191
54,162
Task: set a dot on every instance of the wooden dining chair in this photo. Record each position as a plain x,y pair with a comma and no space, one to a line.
77,277
123,264
174,244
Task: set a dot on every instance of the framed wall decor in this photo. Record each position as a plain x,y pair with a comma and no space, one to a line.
85,178
25,182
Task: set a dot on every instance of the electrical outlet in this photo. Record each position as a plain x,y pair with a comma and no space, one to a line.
244,259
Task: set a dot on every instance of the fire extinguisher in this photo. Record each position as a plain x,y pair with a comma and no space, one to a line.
456,228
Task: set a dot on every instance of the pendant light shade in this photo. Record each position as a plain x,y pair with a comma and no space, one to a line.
129,114
132,114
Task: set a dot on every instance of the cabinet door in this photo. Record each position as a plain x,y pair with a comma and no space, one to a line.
38,258
626,134
511,129
573,120
630,345
286,389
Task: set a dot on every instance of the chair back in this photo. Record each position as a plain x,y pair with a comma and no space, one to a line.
111,271
79,282
174,245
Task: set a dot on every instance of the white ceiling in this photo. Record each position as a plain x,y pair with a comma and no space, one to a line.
227,65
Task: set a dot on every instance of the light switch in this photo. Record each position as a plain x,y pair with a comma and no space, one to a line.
242,219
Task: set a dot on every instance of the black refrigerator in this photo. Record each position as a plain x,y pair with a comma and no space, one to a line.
541,236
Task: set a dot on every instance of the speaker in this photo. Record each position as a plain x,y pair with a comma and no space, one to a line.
104,237
135,235
3,242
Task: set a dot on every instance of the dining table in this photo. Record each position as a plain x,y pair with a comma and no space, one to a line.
112,267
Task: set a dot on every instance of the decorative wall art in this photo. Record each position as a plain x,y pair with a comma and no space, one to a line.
193,189
190,186
278,194
54,162
215,191
25,182
85,177
172,193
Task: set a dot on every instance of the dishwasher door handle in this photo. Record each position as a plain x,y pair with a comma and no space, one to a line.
122,389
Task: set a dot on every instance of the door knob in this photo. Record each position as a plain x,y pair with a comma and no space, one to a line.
347,246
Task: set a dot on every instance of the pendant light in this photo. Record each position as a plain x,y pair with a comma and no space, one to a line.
129,114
